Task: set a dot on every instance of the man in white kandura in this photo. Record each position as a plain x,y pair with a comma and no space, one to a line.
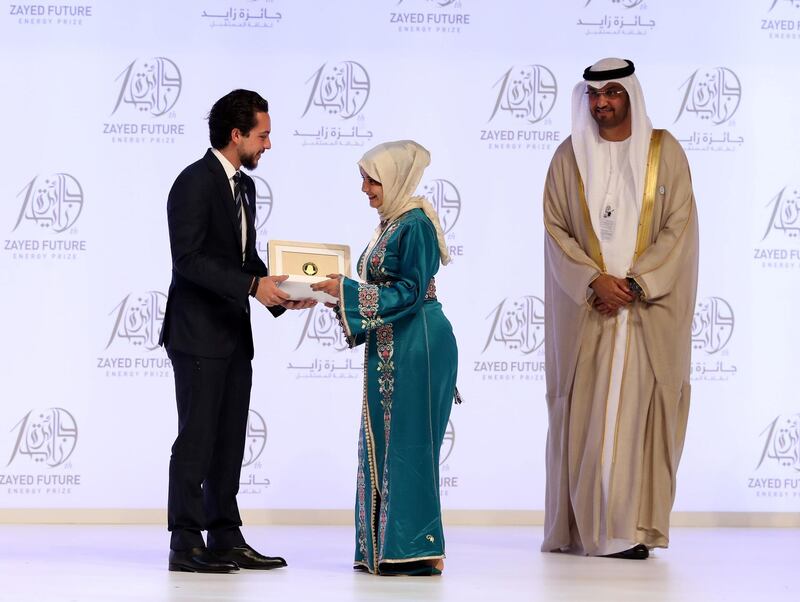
621,253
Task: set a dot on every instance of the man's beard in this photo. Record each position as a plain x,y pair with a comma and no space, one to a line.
250,161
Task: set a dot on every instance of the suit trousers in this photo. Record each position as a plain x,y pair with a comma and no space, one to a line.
213,398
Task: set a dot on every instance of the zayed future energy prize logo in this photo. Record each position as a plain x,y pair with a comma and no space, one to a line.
150,86
321,350
252,479
47,437
779,244
255,15
446,199
712,329
147,89
516,330
777,474
429,16
50,14
138,319
322,328
340,89
525,97
615,18
710,98
782,443
784,216
43,442
333,112
50,205
782,21
53,202
136,323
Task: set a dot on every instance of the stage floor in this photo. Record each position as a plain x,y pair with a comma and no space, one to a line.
44,563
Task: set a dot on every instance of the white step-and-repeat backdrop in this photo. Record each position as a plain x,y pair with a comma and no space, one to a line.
103,103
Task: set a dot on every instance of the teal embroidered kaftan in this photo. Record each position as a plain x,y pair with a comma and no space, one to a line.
410,369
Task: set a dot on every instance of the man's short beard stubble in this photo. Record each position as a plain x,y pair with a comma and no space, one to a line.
250,161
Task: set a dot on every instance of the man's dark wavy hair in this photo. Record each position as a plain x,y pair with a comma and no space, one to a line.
236,109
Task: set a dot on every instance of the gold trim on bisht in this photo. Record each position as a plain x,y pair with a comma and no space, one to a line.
594,244
649,197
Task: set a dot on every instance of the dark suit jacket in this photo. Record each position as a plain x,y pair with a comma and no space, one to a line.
208,306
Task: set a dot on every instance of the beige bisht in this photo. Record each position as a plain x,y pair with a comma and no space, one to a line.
579,341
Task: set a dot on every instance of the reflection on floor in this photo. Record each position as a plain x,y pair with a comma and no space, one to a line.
44,563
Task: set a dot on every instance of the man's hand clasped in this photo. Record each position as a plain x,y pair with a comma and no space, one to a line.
611,294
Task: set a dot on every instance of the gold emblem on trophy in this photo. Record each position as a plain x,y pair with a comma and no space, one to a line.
305,263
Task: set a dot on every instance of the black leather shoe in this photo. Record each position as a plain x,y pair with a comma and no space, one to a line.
199,560
637,552
246,557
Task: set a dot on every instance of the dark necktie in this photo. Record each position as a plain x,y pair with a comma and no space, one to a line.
238,197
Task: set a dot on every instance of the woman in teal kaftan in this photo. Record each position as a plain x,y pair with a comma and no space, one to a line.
409,368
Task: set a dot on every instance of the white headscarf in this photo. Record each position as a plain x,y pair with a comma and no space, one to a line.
398,166
592,164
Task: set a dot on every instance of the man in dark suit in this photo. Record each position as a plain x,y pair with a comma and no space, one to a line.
215,269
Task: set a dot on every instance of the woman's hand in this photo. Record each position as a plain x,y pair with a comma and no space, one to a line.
330,286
